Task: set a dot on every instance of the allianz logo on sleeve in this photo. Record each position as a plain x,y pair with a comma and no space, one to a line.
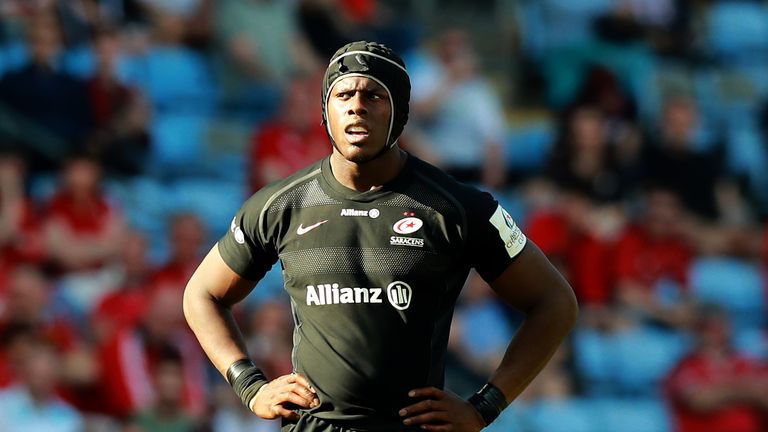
398,294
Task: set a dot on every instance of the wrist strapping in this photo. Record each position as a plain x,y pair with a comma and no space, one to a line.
489,402
246,379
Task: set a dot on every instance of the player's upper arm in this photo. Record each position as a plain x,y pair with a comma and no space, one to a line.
215,279
531,279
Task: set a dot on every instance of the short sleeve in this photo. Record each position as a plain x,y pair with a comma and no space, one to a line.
493,237
242,248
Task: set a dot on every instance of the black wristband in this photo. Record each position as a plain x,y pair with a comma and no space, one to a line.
489,402
246,379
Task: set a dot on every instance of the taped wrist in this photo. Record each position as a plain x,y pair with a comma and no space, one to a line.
246,379
489,402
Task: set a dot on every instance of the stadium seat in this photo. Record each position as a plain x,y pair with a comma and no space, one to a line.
568,415
215,201
79,61
528,145
734,284
631,415
12,56
752,342
175,79
594,361
643,357
177,142
738,30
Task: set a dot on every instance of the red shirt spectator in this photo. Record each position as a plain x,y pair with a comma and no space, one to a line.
133,353
698,371
715,389
83,230
187,236
645,259
292,141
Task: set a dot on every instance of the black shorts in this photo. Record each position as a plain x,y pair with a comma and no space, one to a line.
309,423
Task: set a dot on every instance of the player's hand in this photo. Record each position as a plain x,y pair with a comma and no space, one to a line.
278,397
441,411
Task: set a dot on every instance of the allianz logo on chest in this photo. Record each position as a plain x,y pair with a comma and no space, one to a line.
398,294
372,213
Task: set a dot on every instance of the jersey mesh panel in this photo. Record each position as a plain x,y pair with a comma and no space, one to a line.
310,194
419,198
352,260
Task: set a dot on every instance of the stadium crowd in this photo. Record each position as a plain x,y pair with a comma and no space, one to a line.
628,137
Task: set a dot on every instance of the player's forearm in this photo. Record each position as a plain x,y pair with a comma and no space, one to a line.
535,342
214,326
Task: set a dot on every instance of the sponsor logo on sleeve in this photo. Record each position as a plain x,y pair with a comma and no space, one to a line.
510,233
407,225
236,231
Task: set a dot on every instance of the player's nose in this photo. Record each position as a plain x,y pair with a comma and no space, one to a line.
357,105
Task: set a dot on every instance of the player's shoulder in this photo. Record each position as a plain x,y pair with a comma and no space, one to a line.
271,192
465,195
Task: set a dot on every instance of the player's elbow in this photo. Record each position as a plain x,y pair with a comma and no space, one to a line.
561,304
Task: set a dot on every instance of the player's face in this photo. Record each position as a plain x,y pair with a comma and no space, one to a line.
358,117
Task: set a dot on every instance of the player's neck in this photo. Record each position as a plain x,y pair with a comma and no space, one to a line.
369,175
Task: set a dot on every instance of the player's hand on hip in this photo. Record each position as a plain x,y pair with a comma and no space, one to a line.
280,396
441,411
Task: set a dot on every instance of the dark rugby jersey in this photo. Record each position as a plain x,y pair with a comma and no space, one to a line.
373,278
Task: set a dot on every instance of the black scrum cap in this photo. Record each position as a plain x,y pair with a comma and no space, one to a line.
381,64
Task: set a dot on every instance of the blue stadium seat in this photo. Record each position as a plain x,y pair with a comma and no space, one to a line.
594,361
752,342
528,145
215,201
12,56
569,415
79,61
734,284
632,415
177,141
644,356
175,79
512,419
738,30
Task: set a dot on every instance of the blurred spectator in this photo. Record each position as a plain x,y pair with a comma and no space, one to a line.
459,112
651,252
677,162
324,27
120,137
20,239
261,46
167,413
292,140
715,389
50,107
187,237
83,230
33,405
124,307
134,354
28,302
584,160
581,238
270,337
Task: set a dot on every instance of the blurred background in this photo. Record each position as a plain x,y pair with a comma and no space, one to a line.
628,137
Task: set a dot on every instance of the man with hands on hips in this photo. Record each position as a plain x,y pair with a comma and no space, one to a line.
375,246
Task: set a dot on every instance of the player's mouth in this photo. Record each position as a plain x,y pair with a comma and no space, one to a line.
356,133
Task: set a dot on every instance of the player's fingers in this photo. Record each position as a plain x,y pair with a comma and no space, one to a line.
301,391
438,428
291,397
430,392
430,417
285,413
302,380
423,406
